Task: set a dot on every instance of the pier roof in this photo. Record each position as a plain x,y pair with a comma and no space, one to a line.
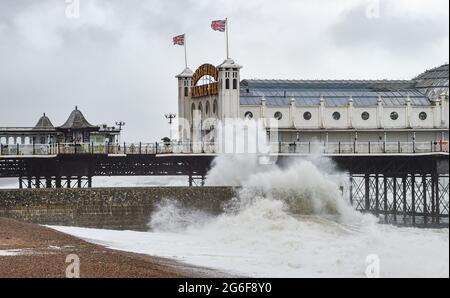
77,121
44,123
333,92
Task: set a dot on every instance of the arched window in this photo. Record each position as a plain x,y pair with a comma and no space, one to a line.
248,115
234,84
200,108
227,83
186,91
192,110
207,109
215,108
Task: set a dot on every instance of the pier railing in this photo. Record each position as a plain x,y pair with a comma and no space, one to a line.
333,148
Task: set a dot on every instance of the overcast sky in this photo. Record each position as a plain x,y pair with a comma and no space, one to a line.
117,62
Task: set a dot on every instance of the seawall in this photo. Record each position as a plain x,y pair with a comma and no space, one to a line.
108,208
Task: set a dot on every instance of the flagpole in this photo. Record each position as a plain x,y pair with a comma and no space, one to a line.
226,33
185,52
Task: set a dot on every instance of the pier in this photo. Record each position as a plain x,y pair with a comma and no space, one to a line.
402,183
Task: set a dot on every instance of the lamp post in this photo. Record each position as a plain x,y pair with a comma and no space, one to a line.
120,124
170,117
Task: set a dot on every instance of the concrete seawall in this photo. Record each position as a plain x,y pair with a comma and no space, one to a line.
109,208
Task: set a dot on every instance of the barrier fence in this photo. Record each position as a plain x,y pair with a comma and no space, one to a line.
213,148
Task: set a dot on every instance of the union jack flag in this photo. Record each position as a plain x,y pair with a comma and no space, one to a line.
179,40
219,25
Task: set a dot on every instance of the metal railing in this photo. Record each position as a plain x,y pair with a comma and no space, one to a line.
334,148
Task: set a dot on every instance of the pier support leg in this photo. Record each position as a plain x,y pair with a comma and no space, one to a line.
394,211
433,200
413,198
438,203
351,190
385,199
89,183
20,182
377,195
424,197
48,182
367,192
58,182
404,198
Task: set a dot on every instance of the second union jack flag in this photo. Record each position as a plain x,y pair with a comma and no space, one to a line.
219,25
179,40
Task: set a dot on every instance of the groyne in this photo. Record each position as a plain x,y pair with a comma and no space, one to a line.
109,208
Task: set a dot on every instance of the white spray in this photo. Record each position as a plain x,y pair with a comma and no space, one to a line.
293,221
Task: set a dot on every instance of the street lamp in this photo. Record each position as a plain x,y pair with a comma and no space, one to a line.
120,124
170,117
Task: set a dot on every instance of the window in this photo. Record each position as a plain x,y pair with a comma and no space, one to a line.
394,116
365,116
200,108
307,116
248,115
227,83
207,110
278,116
215,107
234,84
423,116
336,116
192,110
186,91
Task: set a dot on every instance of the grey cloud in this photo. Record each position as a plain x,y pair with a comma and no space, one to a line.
124,68
394,33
